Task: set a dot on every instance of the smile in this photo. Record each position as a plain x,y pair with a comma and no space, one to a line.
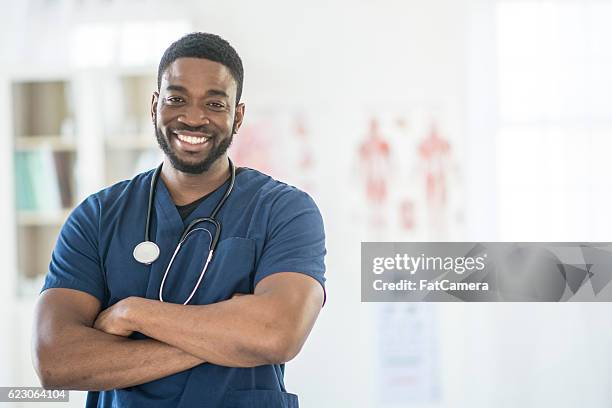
192,139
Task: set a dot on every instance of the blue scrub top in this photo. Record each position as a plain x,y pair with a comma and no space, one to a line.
267,227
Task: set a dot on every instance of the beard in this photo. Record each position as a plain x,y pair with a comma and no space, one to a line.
217,150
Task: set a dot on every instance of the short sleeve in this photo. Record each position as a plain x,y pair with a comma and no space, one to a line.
295,241
75,262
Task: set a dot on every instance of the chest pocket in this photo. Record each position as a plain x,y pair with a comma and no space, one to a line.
231,271
124,276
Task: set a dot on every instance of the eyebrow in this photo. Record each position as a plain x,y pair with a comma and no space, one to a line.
211,92
217,92
177,88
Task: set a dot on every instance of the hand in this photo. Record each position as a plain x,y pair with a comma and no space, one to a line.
115,320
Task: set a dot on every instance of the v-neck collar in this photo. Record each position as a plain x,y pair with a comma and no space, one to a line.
166,206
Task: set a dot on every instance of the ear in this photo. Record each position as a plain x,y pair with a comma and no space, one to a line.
238,117
154,99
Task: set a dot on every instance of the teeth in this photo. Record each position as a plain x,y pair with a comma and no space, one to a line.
192,139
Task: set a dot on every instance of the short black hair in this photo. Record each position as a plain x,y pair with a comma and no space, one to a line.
206,46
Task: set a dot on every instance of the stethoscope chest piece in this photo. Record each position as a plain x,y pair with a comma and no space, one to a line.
146,252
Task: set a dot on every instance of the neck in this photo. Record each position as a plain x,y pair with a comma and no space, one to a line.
186,188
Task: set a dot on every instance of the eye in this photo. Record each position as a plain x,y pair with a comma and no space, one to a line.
174,99
216,105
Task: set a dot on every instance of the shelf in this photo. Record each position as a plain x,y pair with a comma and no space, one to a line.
42,219
41,108
53,142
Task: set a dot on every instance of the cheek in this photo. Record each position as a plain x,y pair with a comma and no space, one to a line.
166,114
164,122
221,123
229,123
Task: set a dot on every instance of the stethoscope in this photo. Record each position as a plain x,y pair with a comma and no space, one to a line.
147,251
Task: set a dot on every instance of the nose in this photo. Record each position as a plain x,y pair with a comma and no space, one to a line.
193,116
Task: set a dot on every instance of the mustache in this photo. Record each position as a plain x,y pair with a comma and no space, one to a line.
199,129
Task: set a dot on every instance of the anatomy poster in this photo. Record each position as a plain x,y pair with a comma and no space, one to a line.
407,176
256,144
304,161
302,153
375,170
281,143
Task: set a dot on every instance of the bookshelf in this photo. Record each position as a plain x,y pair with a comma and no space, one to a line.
70,135
130,141
44,155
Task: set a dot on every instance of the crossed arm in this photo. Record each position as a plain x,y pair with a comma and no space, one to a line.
77,347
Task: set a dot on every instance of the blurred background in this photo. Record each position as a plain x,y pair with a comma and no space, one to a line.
406,120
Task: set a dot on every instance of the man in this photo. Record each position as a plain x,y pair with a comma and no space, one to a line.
100,323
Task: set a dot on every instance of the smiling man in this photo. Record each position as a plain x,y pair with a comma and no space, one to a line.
229,319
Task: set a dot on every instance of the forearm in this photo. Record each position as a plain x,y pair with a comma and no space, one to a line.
83,358
241,332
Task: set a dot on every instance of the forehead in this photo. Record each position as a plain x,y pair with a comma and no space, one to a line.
198,75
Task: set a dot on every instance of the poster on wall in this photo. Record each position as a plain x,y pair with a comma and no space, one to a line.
407,177
407,368
282,144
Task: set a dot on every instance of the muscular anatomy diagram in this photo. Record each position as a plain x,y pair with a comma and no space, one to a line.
374,155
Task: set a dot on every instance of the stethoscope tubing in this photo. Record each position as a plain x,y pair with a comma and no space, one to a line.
176,251
188,230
